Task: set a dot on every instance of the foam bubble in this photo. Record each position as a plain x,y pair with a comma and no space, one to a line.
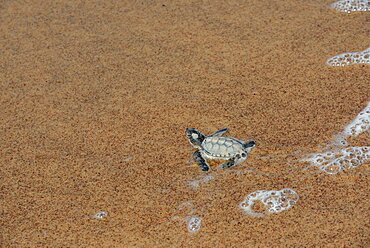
273,201
194,223
349,6
333,162
350,58
100,215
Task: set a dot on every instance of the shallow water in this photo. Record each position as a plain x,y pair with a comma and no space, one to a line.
96,96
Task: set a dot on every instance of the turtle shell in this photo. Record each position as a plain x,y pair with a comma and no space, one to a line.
223,147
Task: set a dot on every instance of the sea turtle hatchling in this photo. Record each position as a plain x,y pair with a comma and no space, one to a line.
216,147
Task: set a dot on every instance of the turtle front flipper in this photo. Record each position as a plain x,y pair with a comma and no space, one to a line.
195,137
200,161
220,132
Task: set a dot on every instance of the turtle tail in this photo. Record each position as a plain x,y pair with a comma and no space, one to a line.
195,137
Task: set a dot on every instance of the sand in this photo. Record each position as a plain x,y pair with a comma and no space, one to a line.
96,95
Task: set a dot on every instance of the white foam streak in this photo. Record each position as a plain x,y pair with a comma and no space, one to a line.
360,124
274,201
349,6
333,162
350,58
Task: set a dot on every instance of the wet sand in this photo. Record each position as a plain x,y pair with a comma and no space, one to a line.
95,98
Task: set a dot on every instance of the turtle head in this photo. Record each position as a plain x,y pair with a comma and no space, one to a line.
195,137
248,146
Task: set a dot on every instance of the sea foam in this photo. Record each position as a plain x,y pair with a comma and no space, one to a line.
333,162
360,124
349,6
273,201
341,156
194,223
100,215
202,179
350,58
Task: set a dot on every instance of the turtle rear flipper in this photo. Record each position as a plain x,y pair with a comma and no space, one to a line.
250,143
200,161
195,137
228,164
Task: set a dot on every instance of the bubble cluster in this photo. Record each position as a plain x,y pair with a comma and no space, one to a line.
100,215
272,201
360,124
194,223
349,6
350,58
333,162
